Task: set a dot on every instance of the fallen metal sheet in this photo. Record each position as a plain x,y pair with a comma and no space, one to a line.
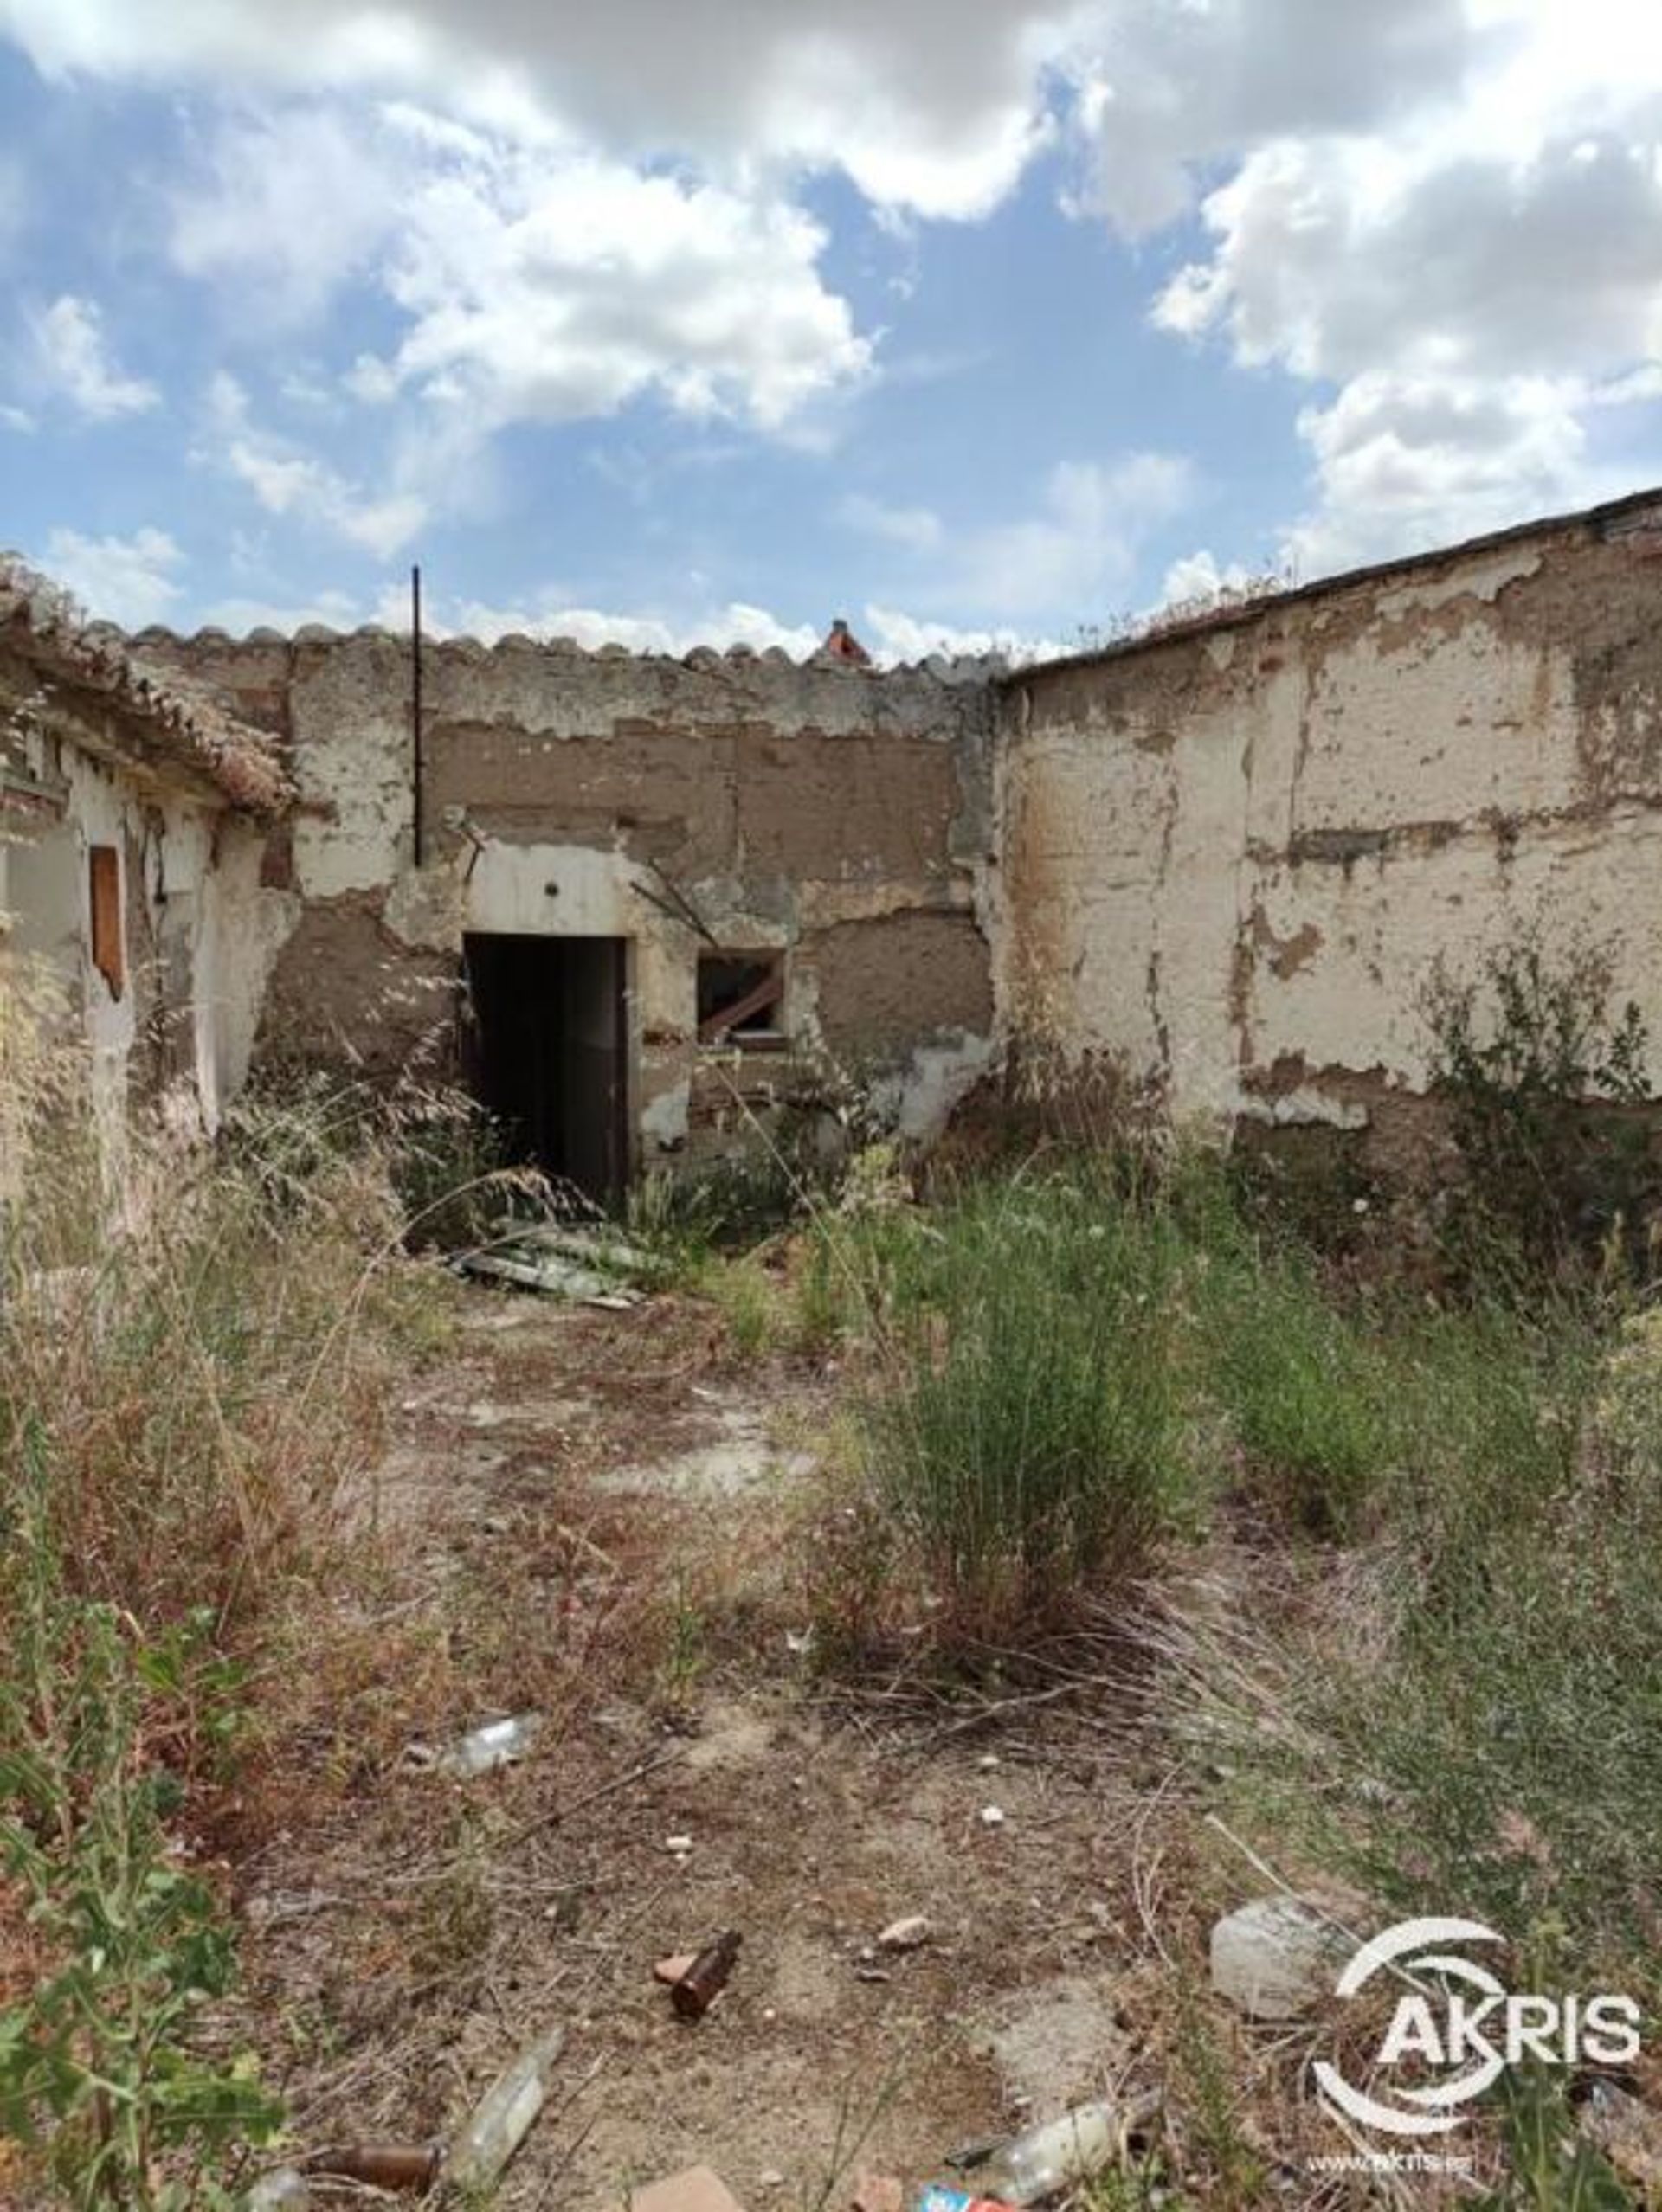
587,1266
544,1271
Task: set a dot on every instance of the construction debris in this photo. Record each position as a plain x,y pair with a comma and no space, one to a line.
1275,1957
590,1265
1046,2159
381,2165
698,2190
908,1934
281,2190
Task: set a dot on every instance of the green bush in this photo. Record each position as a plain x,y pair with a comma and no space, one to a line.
1028,1434
100,2064
1545,1083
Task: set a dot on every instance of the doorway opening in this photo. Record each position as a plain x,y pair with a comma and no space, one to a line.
549,1053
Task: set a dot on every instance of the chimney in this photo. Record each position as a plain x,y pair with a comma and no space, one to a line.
841,644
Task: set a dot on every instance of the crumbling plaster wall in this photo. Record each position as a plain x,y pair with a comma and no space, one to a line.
197,935
839,817
1231,856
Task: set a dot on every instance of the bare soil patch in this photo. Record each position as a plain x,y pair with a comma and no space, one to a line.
591,1515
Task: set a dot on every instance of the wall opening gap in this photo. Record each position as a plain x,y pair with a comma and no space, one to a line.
741,997
549,1054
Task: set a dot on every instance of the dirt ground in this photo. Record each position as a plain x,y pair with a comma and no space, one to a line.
597,1515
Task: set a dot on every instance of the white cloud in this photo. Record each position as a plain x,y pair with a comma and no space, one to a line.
918,528
1068,560
550,616
298,201
1166,86
1473,283
288,481
1076,555
890,636
336,610
1071,560
545,288
919,114
1198,577
1336,257
1443,217
533,282
131,580
929,111
1404,462
73,359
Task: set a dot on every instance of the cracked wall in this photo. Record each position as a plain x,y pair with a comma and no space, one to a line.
1233,853
196,934
836,816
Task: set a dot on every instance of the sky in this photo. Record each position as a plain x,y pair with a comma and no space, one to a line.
975,322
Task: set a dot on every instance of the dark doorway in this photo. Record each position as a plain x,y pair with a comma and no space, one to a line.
551,1052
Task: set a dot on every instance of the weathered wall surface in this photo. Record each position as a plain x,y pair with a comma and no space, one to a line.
1232,855
1226,858
197,933
836,816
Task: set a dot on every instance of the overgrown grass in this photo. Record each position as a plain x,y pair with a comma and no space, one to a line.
1026,1429
1304,1386
195,1351
98,2065
1493,1739
1441,1677
1459,1711
1066,1364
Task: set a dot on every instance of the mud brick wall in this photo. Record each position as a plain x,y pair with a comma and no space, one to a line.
838,817
1222,858
1231,854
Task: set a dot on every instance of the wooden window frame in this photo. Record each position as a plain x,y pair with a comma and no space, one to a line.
105,932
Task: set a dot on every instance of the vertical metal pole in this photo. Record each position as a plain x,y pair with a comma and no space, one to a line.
416,824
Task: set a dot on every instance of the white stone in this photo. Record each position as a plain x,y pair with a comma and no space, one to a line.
908,1934
1275,1957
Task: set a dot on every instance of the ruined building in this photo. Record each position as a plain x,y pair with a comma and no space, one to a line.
625,894
133,816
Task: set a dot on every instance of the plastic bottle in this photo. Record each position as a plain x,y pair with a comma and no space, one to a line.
486,2142
498,1744
282,2191
1045,2160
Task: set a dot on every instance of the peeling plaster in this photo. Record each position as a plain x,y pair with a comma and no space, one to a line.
1224,857
1373,778
798,809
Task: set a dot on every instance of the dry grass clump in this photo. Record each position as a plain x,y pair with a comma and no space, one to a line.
200,1357
196,1348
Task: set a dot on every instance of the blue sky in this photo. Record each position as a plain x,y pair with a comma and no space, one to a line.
713,322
